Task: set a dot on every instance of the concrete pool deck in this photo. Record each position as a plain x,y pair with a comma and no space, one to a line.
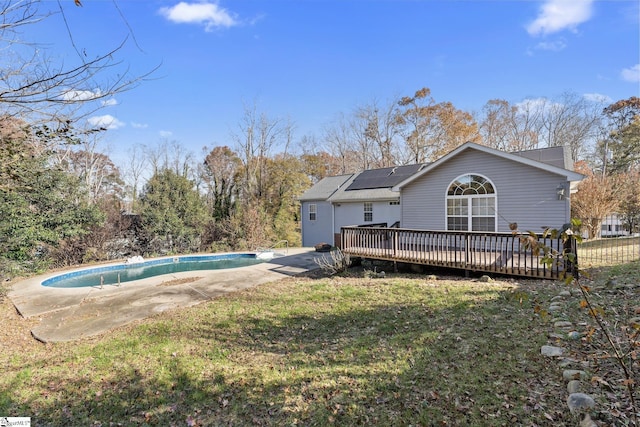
68,314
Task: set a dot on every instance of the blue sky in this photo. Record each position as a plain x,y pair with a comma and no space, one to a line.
309,60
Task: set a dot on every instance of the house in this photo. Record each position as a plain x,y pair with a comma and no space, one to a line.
317,210
472,188
612,226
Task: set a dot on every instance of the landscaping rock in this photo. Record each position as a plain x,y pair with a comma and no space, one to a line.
579,402
574,374
567,362
556,336
551,351
557,298
611,283
432,277
554,307
563,324
574,335
574,386
565,294
485,279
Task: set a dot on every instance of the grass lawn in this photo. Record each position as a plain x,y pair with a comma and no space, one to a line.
396,351
608,251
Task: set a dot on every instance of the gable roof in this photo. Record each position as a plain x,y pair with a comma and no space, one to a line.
570,175
324,188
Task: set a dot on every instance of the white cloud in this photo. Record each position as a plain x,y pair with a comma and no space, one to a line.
554,46
139,125
81,95
631,74
558,15
208,14
537,105
109,102
165,134
597,97
107,121
532,104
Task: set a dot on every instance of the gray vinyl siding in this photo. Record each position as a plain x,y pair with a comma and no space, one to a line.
525,194
353,214
320,230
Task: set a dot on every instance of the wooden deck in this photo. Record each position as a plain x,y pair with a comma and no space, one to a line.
501,253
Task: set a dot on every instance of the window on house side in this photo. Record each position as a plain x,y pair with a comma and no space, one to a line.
313,212
471,204
368,212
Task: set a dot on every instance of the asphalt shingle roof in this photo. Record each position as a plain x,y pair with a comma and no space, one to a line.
325,188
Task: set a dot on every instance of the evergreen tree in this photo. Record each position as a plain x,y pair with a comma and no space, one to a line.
174,214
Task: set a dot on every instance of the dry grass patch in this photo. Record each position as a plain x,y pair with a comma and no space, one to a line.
307,351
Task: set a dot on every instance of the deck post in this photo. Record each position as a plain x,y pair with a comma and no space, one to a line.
395,244
467,250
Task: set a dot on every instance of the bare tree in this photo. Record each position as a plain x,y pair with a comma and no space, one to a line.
377,127
257,136
173,156
340,139
570,120
597,197
36,85
100,176
415,120
136,167
504,127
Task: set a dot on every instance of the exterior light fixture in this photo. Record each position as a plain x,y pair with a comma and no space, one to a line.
560,192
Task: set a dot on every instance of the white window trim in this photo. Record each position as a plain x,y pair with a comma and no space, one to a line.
369,211
470,203
313,209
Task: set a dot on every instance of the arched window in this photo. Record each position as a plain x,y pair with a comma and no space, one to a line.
471,204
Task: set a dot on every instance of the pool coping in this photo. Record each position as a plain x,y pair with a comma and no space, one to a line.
68,314
123,266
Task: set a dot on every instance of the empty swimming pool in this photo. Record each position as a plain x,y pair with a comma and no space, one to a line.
120,273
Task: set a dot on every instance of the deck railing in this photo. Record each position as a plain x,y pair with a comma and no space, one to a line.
502,253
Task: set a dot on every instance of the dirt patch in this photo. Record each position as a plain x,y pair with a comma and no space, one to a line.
15,333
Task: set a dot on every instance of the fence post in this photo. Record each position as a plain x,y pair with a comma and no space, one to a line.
570,246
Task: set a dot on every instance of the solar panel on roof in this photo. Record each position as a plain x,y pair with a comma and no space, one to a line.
382,178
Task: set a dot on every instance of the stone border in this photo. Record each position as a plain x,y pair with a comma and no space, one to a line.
575,372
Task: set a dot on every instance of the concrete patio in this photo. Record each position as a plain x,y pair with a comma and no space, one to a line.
68,314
